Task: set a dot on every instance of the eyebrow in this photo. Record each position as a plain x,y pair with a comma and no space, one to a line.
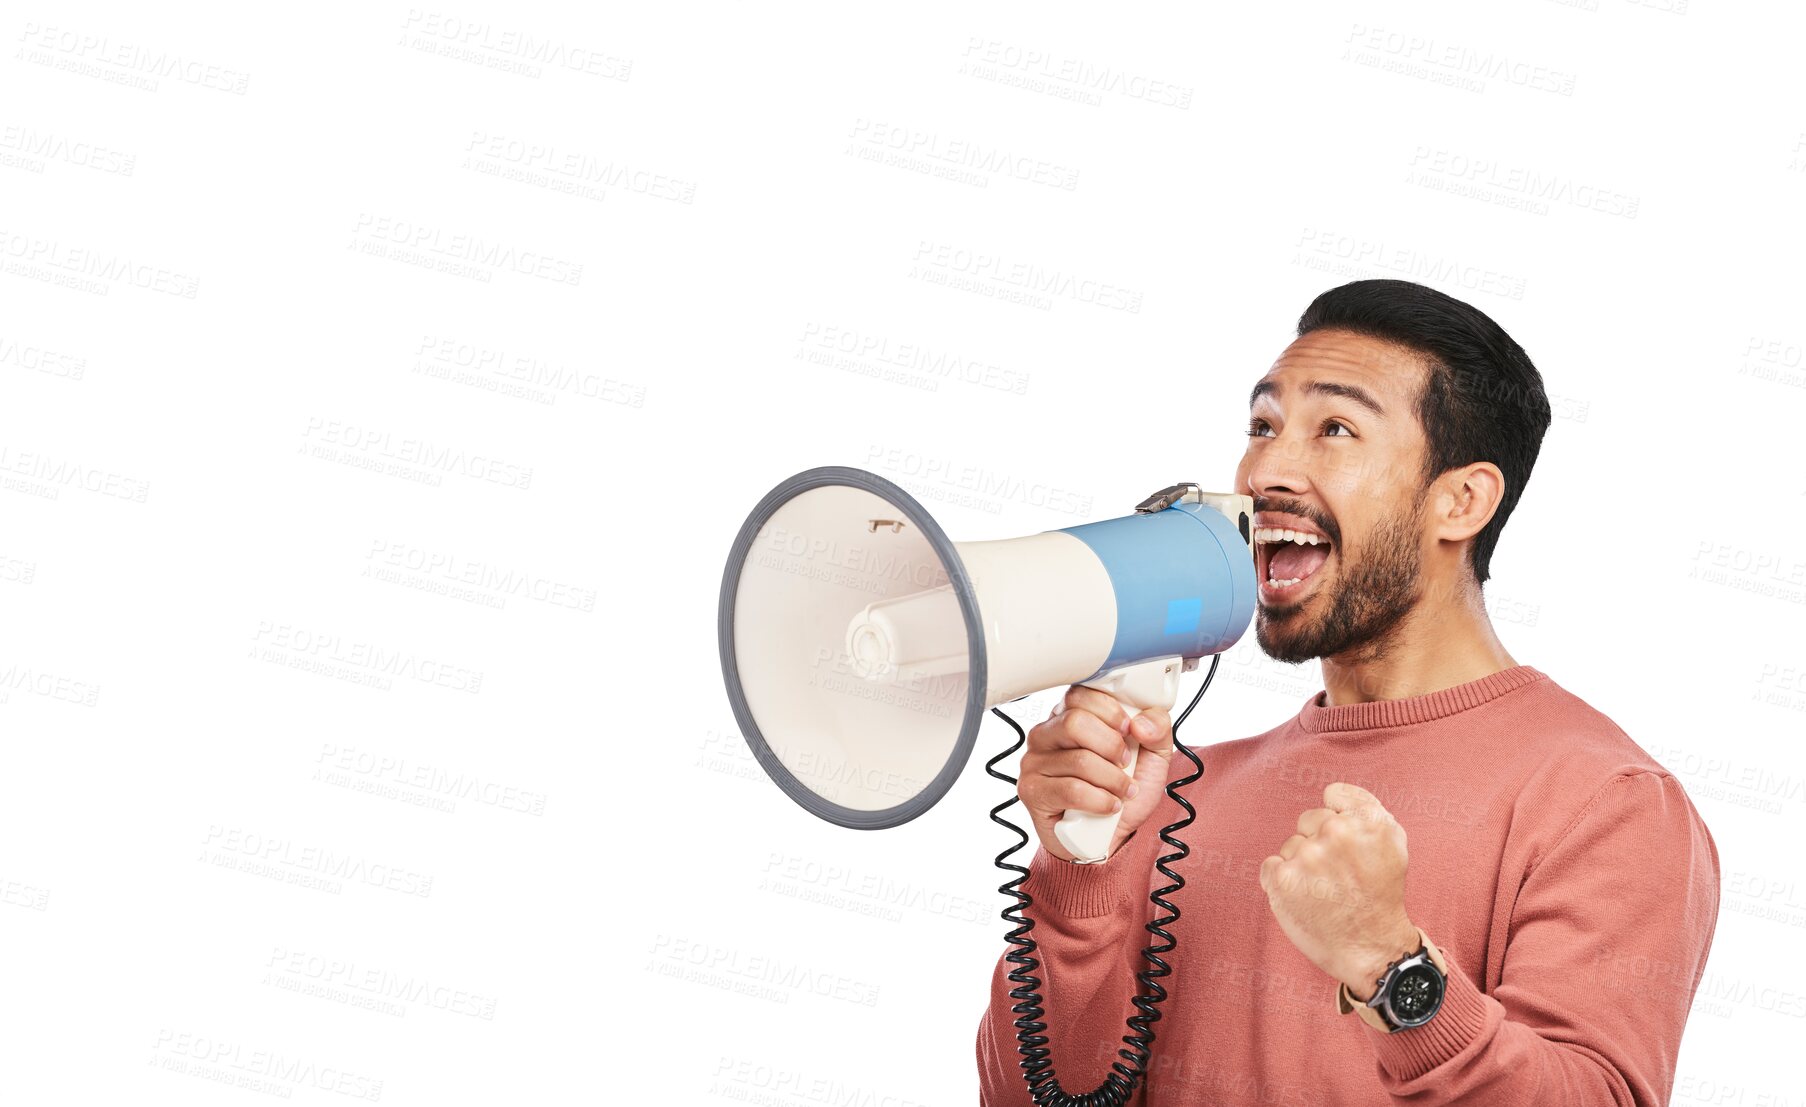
1321,388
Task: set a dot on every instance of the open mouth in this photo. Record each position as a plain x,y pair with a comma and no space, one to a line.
1286,559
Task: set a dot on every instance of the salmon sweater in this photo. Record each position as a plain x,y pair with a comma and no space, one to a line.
1564,874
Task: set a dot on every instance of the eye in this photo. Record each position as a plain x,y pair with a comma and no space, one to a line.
1258,428
1330,425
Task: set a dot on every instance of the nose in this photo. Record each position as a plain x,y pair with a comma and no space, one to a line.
1272,467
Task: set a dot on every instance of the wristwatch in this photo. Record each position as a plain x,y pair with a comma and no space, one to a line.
1408,993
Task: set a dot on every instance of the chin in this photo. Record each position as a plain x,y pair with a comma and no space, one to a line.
1281,645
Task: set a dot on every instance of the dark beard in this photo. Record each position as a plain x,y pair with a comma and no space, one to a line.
1369,600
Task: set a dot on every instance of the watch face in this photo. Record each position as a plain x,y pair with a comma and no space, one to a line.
1415,995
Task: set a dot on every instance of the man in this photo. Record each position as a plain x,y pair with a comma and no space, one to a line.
1526,896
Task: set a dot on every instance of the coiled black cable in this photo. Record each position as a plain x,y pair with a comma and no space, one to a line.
1037,1063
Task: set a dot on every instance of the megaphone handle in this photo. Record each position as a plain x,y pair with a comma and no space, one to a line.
1085,835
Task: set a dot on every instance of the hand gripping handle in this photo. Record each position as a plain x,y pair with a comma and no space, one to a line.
1136,687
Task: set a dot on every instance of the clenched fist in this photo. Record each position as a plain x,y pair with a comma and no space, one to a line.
1075,759
1337,888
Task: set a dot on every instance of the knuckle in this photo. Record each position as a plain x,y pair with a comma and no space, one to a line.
1091,733
1086,797
1099,706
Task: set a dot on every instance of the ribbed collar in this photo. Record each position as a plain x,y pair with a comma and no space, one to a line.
1377,714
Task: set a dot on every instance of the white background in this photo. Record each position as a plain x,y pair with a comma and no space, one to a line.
382,386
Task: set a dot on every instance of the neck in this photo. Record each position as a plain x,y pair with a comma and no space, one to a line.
1435,646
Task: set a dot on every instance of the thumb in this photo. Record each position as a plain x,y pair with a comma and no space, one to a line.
1153,728
1152,766
1153,763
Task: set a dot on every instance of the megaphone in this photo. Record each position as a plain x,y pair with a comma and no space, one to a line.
861,647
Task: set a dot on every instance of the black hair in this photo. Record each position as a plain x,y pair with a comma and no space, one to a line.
1482,399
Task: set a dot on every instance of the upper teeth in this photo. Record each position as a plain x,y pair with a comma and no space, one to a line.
1277,534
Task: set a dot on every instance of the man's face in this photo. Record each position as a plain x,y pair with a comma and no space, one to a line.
1335,455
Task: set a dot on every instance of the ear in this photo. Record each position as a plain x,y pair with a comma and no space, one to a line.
1465,500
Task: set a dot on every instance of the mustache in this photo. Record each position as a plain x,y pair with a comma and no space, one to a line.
1303,511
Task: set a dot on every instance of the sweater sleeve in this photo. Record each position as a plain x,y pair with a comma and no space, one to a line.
1607,941
1089,933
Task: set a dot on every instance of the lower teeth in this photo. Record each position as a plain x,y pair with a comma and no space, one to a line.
1283,583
